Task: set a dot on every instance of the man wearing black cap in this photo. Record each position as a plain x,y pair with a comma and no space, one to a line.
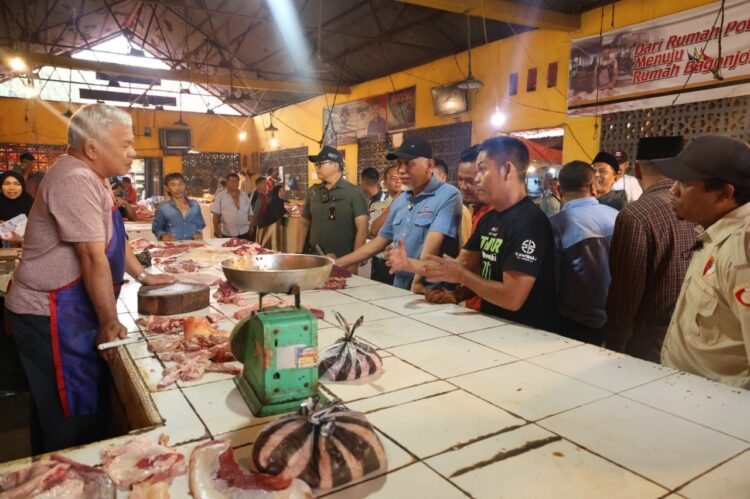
335,211
425,219
606,169
648,259
625,182
710,330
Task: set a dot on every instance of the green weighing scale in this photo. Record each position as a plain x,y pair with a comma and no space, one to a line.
278,345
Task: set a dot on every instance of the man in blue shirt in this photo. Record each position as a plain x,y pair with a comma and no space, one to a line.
179,218
426,218
583,232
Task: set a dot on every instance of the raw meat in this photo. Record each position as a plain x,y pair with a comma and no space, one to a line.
172,248
191,369
140,245
228,294
148,490
215,473
337,271
141,459
182,266
143,212
348,359
157,324
57,477
326,446
198,326
334,283
236,241
271,302
215,318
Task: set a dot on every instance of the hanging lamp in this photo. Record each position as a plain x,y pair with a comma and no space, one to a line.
470,83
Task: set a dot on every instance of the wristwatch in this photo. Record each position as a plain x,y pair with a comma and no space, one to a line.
141,277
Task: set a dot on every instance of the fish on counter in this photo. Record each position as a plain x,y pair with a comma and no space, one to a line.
142,460
57,476
348,359
324,445
214,474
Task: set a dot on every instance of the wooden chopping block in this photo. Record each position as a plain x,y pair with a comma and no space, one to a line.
177,298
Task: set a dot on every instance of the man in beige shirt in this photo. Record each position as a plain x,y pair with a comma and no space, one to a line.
710,330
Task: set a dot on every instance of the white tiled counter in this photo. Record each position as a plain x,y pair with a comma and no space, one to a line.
470,405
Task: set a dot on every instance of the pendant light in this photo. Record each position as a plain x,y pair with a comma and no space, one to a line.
319,65
470,83
180,121
69,113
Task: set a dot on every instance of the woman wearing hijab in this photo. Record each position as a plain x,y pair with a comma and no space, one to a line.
14,200
268,224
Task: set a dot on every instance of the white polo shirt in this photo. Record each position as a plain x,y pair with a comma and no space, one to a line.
234,221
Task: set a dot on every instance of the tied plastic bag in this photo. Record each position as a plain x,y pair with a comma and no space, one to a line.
325,446
348,359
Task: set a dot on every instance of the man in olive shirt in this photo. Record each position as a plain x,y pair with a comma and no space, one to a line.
335,211
710,330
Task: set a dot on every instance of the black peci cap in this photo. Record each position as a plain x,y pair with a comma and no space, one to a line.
650,148
412,147
711,156
605,157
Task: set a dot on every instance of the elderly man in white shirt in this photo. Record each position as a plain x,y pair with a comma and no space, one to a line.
232,211
625,182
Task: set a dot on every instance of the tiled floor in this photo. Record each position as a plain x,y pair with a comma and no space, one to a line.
520,341
457,320
729,480
450,356
414,426
415,481
530,391
508,464
657,445
376,292
387,333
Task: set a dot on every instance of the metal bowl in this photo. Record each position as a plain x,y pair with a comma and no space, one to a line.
277,273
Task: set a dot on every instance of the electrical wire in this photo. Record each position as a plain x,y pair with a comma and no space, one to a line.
703,50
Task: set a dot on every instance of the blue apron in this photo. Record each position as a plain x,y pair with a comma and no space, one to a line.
75,326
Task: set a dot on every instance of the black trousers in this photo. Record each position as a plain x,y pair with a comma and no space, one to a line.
379,271
50,429
571,329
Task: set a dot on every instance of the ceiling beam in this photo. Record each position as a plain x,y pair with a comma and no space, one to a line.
500,10
192,76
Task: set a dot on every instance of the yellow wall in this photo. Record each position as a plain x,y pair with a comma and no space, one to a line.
493,63
41,122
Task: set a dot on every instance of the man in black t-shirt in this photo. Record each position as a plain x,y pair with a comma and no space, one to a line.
509,259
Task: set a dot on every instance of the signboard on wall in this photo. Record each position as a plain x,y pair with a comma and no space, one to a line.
369,118
646,65
402,109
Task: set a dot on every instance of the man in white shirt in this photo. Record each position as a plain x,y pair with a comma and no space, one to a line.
625,182
232,211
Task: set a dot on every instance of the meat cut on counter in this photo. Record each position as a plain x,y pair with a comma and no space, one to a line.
140,460
228,294
57,476
214,473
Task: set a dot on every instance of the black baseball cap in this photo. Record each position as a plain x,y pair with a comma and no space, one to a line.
650,148
328,153
710,156
605,157
412,147
621,156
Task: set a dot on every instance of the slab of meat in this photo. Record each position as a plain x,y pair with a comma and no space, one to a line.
215,473
139,245
235,242
141,459
171,248
148,490
272,302
57,477
199,326
337,271
334,283
226,293
182,266
143,212
158,324
191,369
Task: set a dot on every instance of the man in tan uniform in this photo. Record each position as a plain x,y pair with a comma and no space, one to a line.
710,330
